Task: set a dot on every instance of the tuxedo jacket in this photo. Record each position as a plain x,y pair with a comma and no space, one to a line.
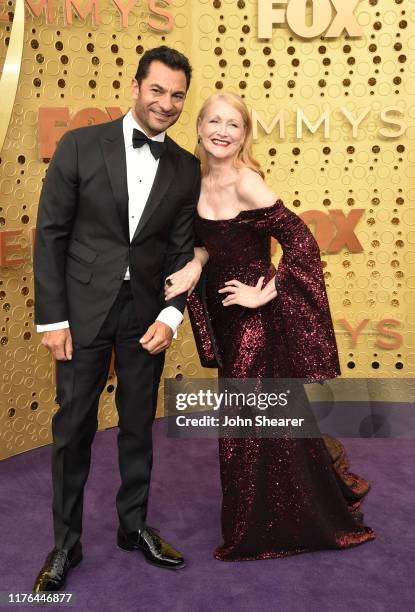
82,247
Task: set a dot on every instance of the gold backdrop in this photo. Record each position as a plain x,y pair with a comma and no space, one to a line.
331,171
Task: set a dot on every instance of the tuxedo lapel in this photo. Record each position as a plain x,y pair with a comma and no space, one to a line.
164,176
113,149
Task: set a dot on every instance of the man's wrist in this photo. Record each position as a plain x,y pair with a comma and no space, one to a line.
52,326
172,317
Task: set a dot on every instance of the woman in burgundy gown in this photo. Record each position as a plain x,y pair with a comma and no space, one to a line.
281,496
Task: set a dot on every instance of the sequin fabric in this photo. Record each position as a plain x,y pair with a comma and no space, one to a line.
280,496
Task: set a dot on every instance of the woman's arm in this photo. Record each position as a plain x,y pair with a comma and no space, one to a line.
187,278
201,255
252,192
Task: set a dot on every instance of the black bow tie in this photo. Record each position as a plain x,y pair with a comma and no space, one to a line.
139,139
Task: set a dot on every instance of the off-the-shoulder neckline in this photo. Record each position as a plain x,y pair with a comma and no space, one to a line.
243,212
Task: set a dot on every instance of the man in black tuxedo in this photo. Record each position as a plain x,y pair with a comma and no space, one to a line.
115,219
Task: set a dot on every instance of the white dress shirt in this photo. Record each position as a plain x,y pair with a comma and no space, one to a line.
141,172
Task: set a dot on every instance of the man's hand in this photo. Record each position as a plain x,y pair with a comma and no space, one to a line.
59,343
157,338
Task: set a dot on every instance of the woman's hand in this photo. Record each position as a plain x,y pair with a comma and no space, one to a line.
183,280
245,295
242,294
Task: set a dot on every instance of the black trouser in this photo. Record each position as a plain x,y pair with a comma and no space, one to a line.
79,386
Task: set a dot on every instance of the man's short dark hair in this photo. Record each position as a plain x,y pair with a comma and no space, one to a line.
167,56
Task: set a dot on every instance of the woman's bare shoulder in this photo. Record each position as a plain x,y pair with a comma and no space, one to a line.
252,190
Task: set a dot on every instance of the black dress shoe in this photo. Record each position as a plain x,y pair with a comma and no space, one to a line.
156,550
53,574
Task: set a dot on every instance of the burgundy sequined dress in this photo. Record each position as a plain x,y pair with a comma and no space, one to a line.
280,496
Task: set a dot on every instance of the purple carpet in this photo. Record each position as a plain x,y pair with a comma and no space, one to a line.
185,502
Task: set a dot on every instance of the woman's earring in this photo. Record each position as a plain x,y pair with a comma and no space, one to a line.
199,140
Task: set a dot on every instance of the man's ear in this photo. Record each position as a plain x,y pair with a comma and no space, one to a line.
135,88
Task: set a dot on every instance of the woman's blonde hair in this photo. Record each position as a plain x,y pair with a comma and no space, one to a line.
244,157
